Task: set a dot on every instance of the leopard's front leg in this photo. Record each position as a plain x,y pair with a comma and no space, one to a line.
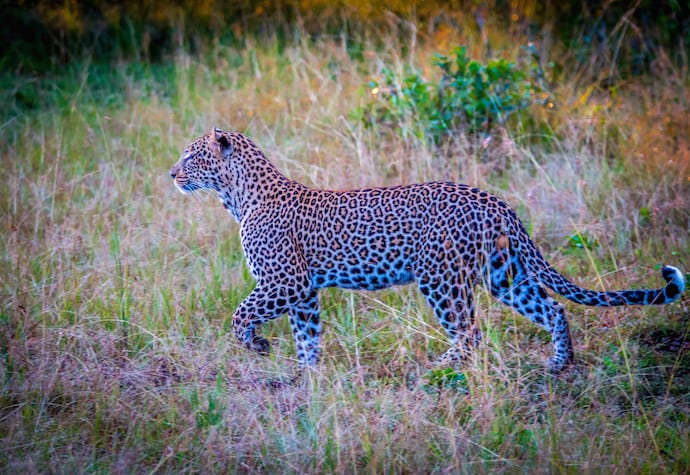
306,329
283,284
260,306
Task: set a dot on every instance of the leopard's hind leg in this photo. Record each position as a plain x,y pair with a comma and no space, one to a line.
510,282
448,289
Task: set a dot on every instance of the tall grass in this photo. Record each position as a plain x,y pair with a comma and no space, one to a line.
116,348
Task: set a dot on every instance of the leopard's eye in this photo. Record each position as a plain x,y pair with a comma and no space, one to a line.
187,158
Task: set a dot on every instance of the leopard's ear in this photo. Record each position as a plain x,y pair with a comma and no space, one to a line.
223,142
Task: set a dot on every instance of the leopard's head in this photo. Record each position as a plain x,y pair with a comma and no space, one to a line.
204,163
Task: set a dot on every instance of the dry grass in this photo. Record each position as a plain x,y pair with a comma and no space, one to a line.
115,342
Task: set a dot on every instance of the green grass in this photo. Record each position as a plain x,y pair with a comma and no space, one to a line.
116,352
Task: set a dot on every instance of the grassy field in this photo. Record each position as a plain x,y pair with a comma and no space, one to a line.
116,351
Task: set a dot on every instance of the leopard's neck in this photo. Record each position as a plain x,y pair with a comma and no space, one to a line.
259,186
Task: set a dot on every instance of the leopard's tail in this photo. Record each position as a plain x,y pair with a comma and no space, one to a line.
538,267
675,285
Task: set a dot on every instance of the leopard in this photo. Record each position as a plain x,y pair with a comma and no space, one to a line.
446,237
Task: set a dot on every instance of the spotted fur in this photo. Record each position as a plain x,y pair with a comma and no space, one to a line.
446,237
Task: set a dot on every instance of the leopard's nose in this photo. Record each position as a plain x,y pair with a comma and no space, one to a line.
173,172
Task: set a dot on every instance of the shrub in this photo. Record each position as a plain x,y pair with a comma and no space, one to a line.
470,97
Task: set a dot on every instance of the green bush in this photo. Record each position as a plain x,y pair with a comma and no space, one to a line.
471,97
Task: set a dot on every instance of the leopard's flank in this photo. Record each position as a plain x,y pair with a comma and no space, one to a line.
446,237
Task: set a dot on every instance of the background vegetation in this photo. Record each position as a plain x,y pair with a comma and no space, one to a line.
116,353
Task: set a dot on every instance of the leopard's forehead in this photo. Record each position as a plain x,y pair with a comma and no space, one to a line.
201,148
200,143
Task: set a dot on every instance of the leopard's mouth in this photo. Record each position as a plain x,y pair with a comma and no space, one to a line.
186,186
